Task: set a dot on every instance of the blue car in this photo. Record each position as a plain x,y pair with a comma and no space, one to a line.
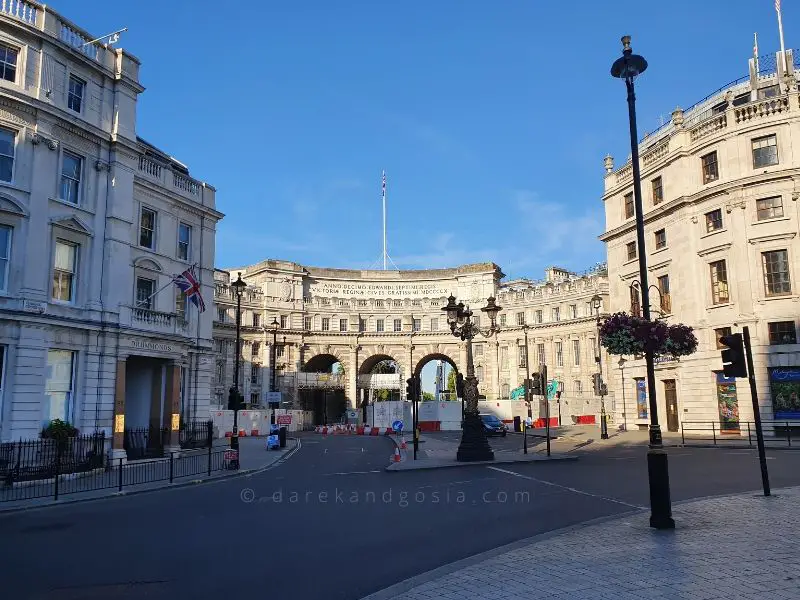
493,426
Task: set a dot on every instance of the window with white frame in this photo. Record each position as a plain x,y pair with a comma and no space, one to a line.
398,325
559,354
180,304
279,351
520,318
77,88
8,63
540,353
147,228
379,325
306,323
145,288
504,357
342,325
765,151
416,324
285,322
256,319
539,316
578,387
71,167
556,314
502,320
184,241
5,255
573,311
769,208
479,372
434,324
255,349
60,385
65,262
576,352
255,371
326,324
478,348
8,140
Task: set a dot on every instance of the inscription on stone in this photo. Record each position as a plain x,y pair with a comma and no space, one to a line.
151,346
380,289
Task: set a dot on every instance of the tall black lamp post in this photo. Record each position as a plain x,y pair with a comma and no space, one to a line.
627,67
597,302
474,445
273,385
621,364
235,396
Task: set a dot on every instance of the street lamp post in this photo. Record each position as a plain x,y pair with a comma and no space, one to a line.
474,445
527,393
627,67
622,372
597,302
234,397
272,387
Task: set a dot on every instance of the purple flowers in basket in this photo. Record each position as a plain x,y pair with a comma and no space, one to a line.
622,333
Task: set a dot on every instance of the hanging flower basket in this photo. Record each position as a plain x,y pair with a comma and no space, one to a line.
625,334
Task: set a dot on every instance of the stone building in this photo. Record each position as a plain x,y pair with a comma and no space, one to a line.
720,185
306,321
94,223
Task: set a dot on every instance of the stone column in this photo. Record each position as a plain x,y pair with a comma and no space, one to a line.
352,378
118,435
496,370
172,406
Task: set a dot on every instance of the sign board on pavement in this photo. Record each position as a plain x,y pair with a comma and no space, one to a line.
284,419
273,398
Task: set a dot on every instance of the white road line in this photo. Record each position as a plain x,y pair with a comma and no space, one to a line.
351,473
570,489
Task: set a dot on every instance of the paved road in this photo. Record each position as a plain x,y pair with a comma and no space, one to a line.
330,523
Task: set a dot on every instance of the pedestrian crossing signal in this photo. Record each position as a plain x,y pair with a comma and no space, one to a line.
733,360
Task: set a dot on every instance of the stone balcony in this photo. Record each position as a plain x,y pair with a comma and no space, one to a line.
166,177
153,320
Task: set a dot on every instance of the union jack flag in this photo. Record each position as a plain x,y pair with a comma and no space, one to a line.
189,285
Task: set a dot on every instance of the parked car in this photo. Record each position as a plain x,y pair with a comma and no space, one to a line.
493,426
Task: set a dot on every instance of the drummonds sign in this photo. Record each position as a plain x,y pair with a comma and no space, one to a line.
380,289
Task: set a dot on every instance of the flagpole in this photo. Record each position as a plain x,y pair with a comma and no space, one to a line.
383,188
780,31
163,287
755,51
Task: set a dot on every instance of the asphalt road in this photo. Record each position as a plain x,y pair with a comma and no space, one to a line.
330,523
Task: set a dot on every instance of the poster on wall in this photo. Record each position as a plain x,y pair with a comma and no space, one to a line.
784,384
728,404
641,398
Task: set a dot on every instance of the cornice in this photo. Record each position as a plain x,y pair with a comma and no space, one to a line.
713,249
772,238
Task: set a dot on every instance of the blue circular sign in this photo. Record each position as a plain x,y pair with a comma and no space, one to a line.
397,425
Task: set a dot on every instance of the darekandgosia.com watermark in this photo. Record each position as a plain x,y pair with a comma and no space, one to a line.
401,497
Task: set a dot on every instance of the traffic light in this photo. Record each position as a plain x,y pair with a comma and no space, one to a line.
597,383
535,385
459,385
235,400
410,388
733,361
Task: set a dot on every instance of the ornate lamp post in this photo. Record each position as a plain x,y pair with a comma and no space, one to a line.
597,302
627,67
234,398
274,326
474,446
621,364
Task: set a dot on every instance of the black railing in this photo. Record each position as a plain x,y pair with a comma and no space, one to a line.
106,474
197,434
145,442
29,460
777,434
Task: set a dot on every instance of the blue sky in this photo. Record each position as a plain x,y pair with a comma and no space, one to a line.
491,119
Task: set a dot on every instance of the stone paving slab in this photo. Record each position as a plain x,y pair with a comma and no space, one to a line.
742,547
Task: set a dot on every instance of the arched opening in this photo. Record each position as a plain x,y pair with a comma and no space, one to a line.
380,380
437,375
321,363
321,388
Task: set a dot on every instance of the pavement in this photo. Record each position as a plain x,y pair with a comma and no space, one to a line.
330,523
741,547
253,457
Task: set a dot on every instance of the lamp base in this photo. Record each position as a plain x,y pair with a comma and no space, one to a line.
660,502
474,445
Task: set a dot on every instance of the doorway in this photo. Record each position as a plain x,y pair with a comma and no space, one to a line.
671,397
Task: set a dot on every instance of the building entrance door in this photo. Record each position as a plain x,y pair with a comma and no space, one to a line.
671,396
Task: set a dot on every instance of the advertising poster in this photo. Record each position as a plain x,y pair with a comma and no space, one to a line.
728,404
641,398
784,383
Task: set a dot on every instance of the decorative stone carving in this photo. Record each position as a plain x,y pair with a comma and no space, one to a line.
608,164
38,138
8,115
677,117
286,290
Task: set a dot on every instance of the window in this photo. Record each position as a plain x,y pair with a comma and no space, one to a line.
64,271
379,303
256,319
539,316
279,351
630,250
520,318
593,342
362,302
658,191
776,272
578,387
8,63
523,357
502,320
628,205
144,292
556,314
184,241
221,315
75,93
479,372
256,350
504,357
720,333
769,208
573,311
59,386
5,256
666,298
559,354
661,239
284,324
254,396
180,304
636,305
782,332
710,168
478,349
342,324
719,282
434,324
477,320
416,303
765,151
540,353
714,220
576,352
505,390
379,325
147,228
397,303
71,166
398,325
7,141
362,324
254,372
306,323
220,372
326,324
416,325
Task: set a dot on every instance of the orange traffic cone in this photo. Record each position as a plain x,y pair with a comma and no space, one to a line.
403,444
396,455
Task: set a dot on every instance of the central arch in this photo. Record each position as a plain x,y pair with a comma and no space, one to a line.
323,395
320,363
434,356
373,361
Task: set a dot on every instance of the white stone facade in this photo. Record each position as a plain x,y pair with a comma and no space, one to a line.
358,318
720,188
76,185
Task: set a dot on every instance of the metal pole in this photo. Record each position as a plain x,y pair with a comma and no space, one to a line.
751,377
599,358
657,464
235,432
274,370
624,415
527,394
546,407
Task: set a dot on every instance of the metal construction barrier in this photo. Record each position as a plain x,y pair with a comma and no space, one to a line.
777,434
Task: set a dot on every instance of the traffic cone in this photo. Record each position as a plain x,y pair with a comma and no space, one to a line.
396,455
403,444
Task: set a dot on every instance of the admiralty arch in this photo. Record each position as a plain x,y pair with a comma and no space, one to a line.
323,331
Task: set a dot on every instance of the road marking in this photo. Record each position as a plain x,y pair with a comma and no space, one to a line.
351,473
445,484
325,451
570,489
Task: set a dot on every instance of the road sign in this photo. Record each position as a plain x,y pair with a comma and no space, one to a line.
273,399
284,419
397,426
